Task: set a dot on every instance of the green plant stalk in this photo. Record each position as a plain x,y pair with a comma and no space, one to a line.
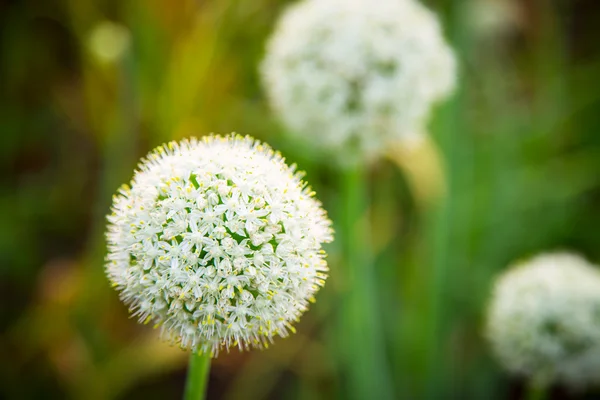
452,136
197,377
366,364
551,66
535,392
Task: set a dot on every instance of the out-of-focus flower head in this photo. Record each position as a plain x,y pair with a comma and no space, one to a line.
218,241
108,41
353,76
544,320
491,20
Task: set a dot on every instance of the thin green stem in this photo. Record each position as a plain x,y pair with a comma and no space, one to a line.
197,378
535,392
452,136
368,373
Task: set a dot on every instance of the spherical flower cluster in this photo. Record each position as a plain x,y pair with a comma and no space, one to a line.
217,241
108,41
355,75
544,320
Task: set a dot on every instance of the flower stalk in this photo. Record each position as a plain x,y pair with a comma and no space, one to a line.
197,377
535,391
366,361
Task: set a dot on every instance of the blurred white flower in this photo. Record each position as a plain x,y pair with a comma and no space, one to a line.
219,242
351,76
108,41
491,20
544,320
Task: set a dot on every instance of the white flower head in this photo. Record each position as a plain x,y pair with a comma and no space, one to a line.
544,320
217,241
108,41
355,75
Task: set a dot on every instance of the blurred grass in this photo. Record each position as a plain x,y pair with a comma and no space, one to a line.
512,169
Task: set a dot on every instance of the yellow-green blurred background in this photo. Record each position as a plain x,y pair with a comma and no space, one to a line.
88,87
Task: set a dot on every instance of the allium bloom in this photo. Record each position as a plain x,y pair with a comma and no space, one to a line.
544,320
108,41
357,74
219,242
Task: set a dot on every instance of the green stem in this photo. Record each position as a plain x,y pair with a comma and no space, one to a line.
197,378
444,242
535,392
368,373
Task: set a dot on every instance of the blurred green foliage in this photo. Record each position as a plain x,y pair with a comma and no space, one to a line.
513,168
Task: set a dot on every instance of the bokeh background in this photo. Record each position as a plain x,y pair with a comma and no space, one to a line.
512,168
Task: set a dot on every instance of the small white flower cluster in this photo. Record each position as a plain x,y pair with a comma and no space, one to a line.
218,241
108,41
356,75
544,320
